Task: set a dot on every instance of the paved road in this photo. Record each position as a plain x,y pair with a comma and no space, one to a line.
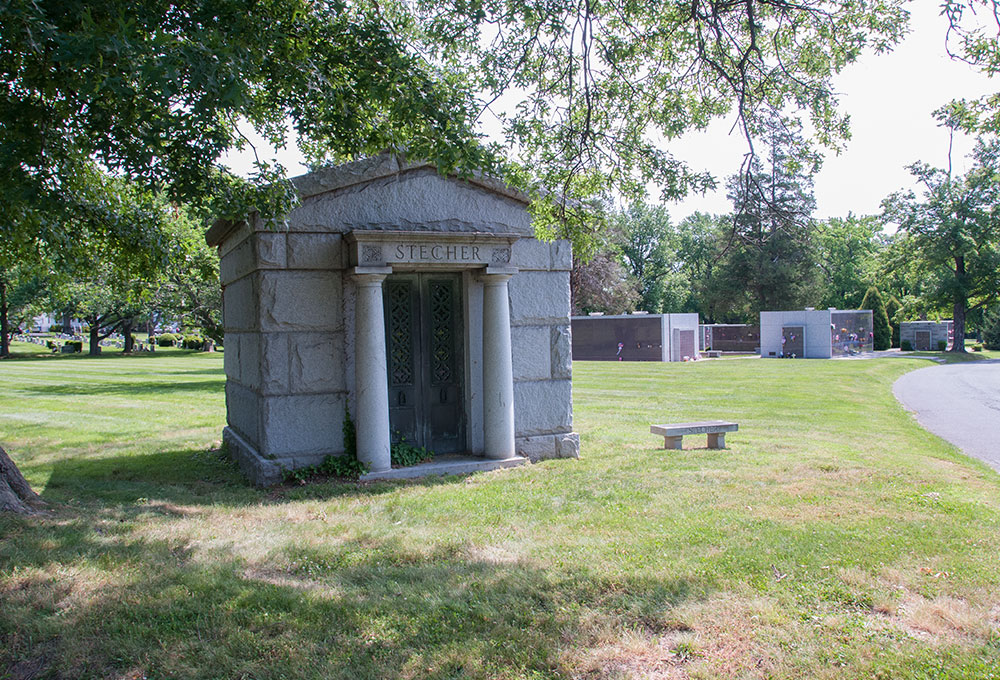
959,403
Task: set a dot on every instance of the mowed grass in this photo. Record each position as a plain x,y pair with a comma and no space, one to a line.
833,539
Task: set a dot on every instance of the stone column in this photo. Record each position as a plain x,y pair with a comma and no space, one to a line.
498,370
371,388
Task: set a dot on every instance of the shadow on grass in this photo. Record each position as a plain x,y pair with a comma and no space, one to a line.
190,476
90,597
196,477
138,388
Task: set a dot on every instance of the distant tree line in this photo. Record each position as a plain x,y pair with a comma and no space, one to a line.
936,255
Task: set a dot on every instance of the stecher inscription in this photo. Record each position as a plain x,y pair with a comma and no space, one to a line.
427,252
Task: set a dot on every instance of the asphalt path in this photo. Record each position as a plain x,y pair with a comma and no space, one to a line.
959,403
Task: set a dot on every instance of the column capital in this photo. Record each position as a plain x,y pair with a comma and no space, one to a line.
496,274
370,274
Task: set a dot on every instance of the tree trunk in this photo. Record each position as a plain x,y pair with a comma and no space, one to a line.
958,313
15,492
127,333
95,335
4,322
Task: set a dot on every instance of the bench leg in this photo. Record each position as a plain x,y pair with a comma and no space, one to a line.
717,441
672,442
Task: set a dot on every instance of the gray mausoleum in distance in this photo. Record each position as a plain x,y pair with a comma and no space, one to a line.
421,303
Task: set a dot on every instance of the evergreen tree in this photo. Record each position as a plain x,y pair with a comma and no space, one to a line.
771,261
881,329
892,307
991,329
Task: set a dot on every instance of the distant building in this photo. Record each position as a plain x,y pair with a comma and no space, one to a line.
815,333
927,335
635,337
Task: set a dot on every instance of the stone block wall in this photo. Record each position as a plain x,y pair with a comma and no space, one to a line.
542,352
284,350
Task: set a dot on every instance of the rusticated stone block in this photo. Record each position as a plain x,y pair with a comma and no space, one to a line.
270,250
562,352
530,352
530,253
274,363
243,413
536,448
231,357
300,301
562,255
299,425
239,305
237,263
542,407
568,445
316,362
315,251
539,297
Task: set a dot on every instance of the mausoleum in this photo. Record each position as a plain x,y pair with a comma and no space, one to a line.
635,337
815,333
422,305
927,335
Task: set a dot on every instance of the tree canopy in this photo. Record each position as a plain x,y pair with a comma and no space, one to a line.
157,91
951,234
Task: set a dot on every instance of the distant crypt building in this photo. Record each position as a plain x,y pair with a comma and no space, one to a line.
421,303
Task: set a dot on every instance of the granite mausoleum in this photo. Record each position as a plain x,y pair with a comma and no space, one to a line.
927,335
421,303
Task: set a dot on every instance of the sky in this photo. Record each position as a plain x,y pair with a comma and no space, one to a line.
890,98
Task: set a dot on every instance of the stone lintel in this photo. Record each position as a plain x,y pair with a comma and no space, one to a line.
429,249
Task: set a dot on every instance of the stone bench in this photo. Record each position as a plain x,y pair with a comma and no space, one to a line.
673,433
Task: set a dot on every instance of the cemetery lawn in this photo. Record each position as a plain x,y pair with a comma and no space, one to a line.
833,539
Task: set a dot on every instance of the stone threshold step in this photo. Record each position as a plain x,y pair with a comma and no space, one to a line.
446,465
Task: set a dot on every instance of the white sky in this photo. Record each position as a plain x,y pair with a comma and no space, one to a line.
890,98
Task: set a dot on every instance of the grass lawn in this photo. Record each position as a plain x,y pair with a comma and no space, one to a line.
833,539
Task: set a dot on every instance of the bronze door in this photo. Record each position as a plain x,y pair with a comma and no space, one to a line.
424,356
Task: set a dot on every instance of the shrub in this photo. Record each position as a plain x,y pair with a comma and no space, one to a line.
166,340
991,329
193,342
77,345
55,328
905,346
977,347
942,345
404,454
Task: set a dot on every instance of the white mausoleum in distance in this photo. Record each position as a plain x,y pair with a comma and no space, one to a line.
421,303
